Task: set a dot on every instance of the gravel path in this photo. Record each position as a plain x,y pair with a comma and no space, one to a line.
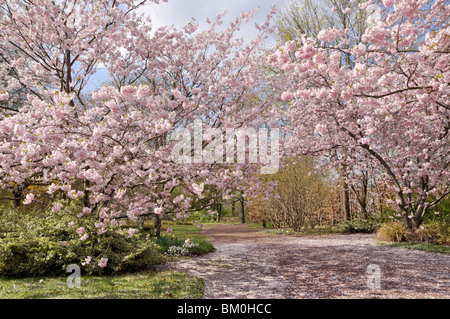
250,264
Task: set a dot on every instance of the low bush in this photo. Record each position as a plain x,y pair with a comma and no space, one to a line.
437,233
356,225
45,243
393,232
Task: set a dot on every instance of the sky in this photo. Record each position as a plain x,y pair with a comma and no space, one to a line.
181,12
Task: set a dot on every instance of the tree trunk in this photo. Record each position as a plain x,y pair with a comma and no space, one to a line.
418,216
233,208
157,225
86,201
345,201
18,195
361,196
219,211
414,218
242,200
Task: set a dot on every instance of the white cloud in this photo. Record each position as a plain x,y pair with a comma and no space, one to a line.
181,12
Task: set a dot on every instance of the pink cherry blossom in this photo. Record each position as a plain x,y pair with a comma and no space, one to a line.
28,199
131,232
4,96
100,225
57,207
86,261
103,262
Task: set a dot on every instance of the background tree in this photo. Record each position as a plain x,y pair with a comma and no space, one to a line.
300,196
390,111
309,18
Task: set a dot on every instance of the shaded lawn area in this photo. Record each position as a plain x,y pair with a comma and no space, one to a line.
183,231
152,285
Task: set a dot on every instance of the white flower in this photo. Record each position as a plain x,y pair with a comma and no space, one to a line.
28,199
131,232
87,261
103,262
4,96
57,207
158,210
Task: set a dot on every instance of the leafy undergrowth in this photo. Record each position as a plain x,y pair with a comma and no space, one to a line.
161,285
44,243
172,246
179,239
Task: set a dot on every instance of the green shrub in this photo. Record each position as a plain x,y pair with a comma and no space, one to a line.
437,233
166,241
41,256
431,233
43,244
201,247
393,232
440,213
124,254
356,225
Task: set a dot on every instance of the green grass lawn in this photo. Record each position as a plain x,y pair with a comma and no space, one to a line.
190,230
152,285
182,231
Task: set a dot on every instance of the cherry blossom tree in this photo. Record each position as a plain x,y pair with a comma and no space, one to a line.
388,110
112,148
310,17
52,47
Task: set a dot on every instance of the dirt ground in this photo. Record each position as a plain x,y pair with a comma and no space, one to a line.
250,264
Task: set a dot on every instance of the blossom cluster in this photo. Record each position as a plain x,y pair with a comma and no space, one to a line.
183,250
